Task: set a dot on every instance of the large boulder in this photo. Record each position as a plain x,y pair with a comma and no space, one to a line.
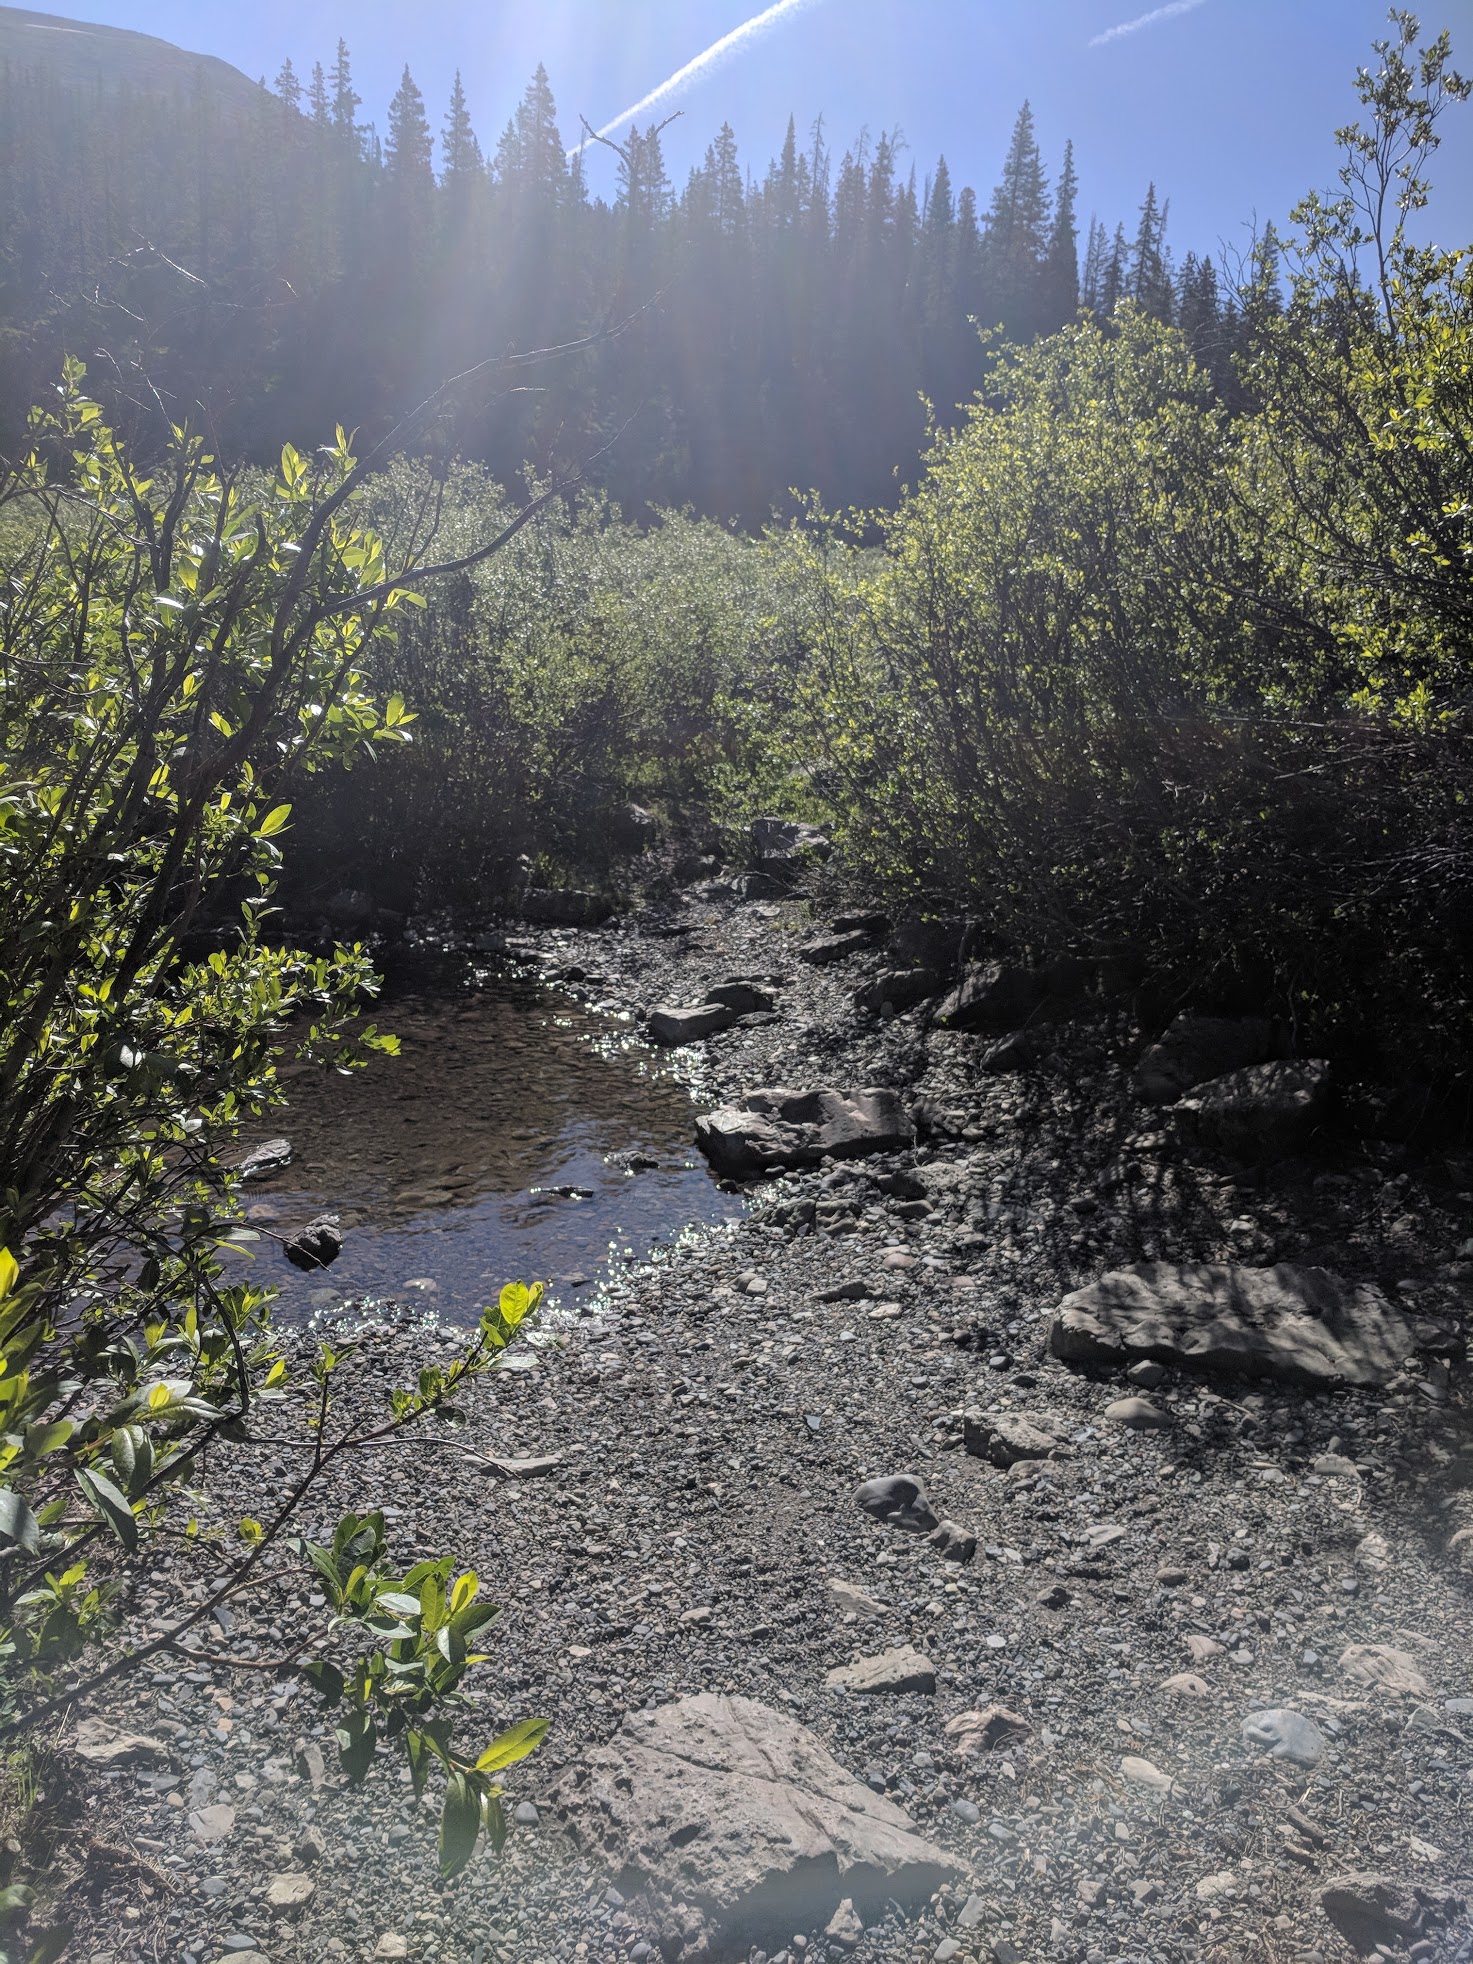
1197,1048
1264,1111
782,1128
741,1827
900,987
1302,1325
668,1024
993,996
782,847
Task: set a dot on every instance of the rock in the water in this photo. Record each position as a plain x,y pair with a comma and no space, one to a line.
744,997
1304,1325
984,1731
992,996
902,988
900,1501
317,1245
1196,1048
565,907
954,1544
781,1128
1006,1437
834,947
1389,1670
1263,1112
901,1669
670,1025
1283,1733
742,1826
1138,1415
1370,1910
264,1160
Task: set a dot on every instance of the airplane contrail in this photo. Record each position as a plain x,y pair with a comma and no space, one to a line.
719,51
1146,20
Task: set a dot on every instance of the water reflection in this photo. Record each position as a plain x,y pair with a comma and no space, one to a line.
516,1135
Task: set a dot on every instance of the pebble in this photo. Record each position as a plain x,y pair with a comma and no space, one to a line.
1139,1414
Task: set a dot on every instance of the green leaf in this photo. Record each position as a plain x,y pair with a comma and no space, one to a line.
273,821
460,1825
18,1525
357,1737
9,1270
513,1744
44,1439
326,1680
114,1509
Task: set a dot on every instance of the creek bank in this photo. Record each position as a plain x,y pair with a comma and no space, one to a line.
1182,1596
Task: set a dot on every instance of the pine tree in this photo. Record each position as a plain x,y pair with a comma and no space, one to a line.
460,153
288,88
1113,279
318,98
1092,279
1015,243
1061,269
346,101
1150,283
409,155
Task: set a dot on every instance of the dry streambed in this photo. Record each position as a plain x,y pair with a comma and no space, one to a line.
1121,1658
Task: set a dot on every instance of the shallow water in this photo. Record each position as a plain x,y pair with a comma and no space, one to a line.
444,1164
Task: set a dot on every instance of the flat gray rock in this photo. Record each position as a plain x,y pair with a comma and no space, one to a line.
835,947
1303,1325
1196,1048
743,997
668,1024
1267,1110
992,996
901,1669
779,1127
900,987
741,1826
899,1500
1006,1437
1284,1733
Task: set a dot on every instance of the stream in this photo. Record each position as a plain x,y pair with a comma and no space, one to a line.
517,1136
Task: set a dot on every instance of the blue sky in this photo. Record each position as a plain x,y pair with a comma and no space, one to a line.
1229,105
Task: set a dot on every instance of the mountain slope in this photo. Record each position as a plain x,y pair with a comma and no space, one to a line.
76,52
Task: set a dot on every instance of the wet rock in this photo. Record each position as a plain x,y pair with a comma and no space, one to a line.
901,988
1004,1438
834,947
317,1245
984,1731
992,996
897,1670
262,1161
1387,1669
669,1025
744,997
739,1818
1264,1112
565,906
1138,1415
954,1544
899,1500
1283,1733
783,1128
1302,1325
1198,1048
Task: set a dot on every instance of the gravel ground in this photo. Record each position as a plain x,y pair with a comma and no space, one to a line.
714,1414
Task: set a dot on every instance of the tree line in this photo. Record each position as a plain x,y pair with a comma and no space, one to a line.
286,268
